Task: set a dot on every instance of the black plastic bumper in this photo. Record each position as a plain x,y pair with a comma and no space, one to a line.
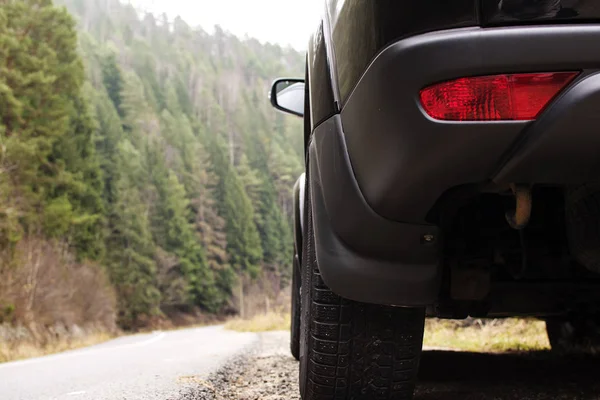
404,161
378,168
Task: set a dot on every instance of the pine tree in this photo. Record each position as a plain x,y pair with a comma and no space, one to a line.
113,81
77,185
243,241
174,233
46,125
109,133
210,226
131,250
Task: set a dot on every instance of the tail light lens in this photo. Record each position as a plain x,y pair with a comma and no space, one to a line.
515,97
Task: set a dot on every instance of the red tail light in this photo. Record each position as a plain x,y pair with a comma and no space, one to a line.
494,98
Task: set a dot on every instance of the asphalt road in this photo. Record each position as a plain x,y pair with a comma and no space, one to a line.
160,365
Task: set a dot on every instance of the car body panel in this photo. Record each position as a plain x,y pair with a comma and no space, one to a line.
362,28
403,160
357,30
322,102
506,12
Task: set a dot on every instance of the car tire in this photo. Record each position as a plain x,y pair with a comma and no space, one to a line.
353,350
574,334
295,317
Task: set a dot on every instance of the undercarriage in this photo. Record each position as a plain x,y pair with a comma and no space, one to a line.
546,266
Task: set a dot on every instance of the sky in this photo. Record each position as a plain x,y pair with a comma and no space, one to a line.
286,22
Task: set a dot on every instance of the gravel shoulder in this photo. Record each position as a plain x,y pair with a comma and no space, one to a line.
268,372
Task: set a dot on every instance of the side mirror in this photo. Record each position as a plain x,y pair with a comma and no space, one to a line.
288,95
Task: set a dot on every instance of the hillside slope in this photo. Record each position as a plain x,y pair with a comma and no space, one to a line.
142,166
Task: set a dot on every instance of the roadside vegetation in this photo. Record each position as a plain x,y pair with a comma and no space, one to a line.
493,335
260,323
478,335
19,343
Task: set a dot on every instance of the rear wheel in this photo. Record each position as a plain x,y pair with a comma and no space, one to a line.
352,350
574,334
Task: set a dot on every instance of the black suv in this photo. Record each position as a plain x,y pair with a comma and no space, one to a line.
452,170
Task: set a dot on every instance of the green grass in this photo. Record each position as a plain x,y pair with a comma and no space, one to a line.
500,335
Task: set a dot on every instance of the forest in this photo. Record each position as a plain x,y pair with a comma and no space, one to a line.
142,168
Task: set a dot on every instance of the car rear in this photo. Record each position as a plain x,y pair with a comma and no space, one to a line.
465,105
455,175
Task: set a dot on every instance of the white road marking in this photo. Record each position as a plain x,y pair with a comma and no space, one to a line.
75,353
154,339
76,393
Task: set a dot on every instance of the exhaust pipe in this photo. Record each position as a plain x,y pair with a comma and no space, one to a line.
519,218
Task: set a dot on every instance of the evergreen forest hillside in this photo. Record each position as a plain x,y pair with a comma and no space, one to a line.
142,168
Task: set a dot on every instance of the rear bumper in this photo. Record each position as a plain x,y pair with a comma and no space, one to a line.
403,161
378,168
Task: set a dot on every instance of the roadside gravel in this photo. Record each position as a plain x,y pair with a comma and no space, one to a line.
266,371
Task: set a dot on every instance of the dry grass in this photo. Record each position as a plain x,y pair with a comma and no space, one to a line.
29,349
501,335
260,323
50,301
